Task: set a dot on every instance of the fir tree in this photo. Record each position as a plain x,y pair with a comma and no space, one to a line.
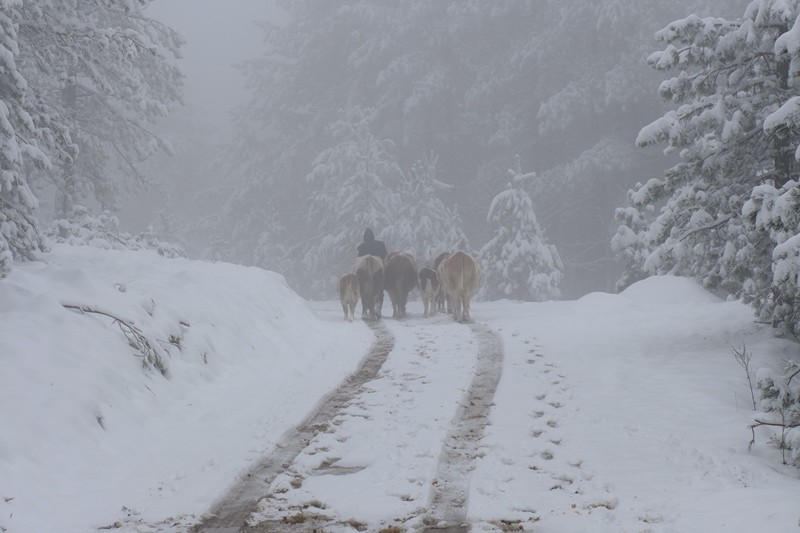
425,225
734,76
358,181
80,81
475,82
105,72
20,237
518,262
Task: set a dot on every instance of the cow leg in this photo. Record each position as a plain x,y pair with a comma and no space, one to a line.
365,306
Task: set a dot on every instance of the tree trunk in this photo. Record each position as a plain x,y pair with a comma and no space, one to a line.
783,154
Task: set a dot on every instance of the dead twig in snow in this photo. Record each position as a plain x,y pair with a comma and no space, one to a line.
151,353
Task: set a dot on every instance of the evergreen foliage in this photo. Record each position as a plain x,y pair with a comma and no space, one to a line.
518,262
426,225
80,79
19,232
104,72
83,228
473,82
358,182
780,399
725,209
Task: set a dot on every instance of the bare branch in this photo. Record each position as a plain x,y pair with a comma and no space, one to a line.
149,350
743,357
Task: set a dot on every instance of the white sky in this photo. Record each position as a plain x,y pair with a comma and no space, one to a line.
219,34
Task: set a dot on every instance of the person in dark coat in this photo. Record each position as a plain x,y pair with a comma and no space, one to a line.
372,246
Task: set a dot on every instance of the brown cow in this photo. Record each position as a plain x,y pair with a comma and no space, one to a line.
429,289
442,301
401,278
369,272
348,295
459,275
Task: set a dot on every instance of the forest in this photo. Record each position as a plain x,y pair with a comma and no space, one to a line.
570,146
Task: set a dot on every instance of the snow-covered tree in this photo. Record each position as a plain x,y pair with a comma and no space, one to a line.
80,79
378,55
771,249
565,89
425,225
358,181
105,72
473,81
19,232
734,76
518,262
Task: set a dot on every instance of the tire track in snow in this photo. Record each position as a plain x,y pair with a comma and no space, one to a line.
231,513
447,511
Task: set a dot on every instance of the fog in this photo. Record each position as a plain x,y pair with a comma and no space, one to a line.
219,37
412,122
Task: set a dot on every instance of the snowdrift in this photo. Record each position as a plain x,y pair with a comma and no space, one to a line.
86,425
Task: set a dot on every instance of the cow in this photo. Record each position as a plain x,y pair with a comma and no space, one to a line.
429,288
459,275
442,301
369,272
348,295
400,278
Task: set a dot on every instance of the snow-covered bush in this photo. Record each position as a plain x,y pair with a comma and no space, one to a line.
780,397
102,231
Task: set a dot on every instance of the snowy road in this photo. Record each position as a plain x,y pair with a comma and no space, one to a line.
611,413
234,510
409,405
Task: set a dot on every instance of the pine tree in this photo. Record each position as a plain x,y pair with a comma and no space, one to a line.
732,79
474,81
358,181
20,237
80,79
771,217
518,262
425,225
106,73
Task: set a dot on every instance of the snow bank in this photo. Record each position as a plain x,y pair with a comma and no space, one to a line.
669,290
86,431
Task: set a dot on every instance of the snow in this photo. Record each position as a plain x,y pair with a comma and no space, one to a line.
613,412
785,116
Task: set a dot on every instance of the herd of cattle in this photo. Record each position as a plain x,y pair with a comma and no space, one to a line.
448,283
